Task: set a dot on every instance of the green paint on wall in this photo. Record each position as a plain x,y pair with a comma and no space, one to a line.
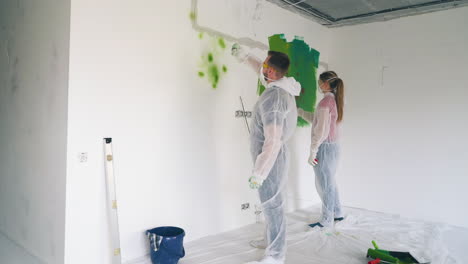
221,43
301,122
192,16
211,65
213,75
304,64
213,49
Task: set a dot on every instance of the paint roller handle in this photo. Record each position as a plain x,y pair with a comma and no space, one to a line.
375,244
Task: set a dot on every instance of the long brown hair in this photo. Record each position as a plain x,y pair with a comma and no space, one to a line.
337,88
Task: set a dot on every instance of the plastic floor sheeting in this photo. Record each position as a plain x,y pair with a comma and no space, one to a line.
347,242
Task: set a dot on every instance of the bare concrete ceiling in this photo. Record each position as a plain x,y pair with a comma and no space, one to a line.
335,13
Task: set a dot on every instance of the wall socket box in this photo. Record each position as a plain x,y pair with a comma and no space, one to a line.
83,157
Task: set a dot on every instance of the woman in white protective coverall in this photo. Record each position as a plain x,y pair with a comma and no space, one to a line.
273,124
324,149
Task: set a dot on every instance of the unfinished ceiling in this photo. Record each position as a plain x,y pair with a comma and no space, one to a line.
335,13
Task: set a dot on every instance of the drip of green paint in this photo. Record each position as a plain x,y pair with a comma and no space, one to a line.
303,67
201,74
221,43
200,35
224,68
210,57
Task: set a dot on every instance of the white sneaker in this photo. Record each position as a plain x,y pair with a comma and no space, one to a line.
267,260
261,243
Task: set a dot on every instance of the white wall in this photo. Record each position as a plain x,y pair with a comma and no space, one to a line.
181,158
405,146
34,39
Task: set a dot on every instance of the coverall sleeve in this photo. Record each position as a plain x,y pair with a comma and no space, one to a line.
254,62
320,129
271,147
308,116
273,119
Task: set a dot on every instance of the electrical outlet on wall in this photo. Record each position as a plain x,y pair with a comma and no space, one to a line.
245,206
83,157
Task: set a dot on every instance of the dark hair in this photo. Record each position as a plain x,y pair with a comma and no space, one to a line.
279,61
337,88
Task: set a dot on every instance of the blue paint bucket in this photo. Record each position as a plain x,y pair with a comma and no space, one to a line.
167,244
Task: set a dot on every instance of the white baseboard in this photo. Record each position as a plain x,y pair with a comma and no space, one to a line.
140,260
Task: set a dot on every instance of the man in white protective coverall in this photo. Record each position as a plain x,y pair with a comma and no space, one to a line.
274,122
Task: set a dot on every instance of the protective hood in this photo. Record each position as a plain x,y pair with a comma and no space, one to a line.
289,84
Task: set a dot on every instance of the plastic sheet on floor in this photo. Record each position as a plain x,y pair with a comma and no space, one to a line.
347,242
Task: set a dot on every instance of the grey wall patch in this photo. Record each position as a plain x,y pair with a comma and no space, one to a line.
14,76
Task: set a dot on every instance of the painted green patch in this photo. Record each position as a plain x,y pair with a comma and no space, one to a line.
304,64
192,16
221,43
211,64
213,49
213,75
301,122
